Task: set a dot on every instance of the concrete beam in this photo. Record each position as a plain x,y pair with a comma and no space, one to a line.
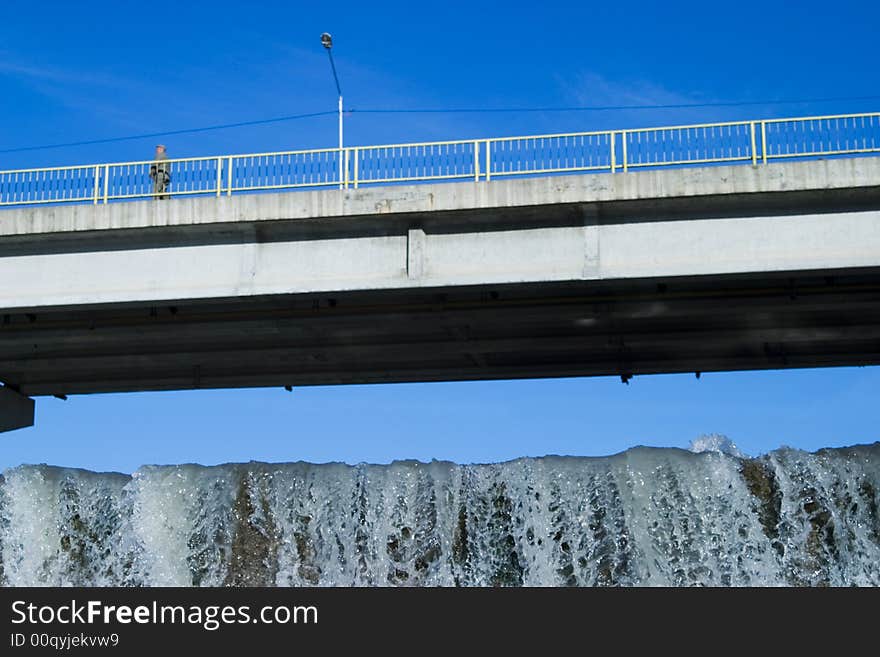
563,329
498,197
16,410
696,269
661,249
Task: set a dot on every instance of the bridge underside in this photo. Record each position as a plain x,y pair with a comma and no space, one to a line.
588,328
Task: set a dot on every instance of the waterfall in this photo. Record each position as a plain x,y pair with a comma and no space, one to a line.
644,517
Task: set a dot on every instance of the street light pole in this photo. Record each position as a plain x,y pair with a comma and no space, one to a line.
341,149
327,42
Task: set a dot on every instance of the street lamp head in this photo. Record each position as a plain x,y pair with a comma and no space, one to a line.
327,40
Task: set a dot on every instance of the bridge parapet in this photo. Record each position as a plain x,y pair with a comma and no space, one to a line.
741,142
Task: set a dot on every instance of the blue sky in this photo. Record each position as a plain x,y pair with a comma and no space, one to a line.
71,72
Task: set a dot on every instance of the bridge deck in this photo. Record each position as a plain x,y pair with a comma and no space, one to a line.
682,270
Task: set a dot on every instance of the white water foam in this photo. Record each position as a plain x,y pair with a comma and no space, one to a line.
663,517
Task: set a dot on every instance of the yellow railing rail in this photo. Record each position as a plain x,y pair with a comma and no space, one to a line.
755,142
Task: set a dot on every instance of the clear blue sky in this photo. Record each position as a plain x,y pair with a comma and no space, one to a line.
76,72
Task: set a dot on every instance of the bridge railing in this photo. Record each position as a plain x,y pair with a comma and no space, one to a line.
755,142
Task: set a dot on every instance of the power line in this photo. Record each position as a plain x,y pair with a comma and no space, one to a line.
461,110
167,133
605,108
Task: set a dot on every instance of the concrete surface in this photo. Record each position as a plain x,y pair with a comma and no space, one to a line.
679,270
16,410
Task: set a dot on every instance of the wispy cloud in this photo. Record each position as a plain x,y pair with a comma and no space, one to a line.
591,89
96,93
34,73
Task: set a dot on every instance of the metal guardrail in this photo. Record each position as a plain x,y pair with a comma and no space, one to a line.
755,142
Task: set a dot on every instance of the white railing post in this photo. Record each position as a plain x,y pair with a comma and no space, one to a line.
488,160
219,176
345,169
611,140
754,149
106,182
229,176
763,142
476,161
623,149
97,188
356,156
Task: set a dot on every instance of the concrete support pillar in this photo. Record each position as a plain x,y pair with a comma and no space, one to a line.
590,215
592,264
415,253
16,410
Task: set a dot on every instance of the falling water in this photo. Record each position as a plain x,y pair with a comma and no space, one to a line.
643,517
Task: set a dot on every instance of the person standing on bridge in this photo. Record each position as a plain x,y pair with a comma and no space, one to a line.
160,172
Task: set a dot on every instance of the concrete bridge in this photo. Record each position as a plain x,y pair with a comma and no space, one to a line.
664,270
